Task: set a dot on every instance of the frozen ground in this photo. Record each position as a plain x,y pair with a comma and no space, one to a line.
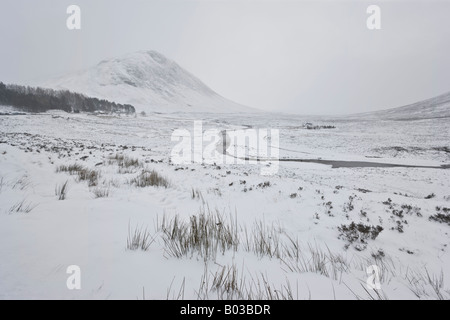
289,235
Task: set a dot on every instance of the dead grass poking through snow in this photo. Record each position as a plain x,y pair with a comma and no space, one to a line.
126,164
101,192
264,241
205,235
230,283
426,285
61,190
83,173
150,179
139,239
22,183
22,207
124,161
91,176
71,169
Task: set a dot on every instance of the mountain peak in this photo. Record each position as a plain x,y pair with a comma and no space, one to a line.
140,56
149,81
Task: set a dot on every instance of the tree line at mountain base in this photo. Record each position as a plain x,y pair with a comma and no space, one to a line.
36,100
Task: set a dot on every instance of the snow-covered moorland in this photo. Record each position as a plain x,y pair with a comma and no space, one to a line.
100,192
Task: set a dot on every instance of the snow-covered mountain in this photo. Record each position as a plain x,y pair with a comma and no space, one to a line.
437,107
150,82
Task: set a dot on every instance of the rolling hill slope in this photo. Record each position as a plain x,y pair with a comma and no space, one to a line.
150,82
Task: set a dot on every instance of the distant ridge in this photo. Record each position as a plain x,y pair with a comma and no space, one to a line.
437,107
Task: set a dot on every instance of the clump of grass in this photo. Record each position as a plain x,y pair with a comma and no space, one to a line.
150,179
227,283
264,185
430,196
22,207
359,233
197,194
101,192
426,285
124,161
444,209
61,190
264,241
378,255
71,169
123,170
441,218
22,183
139,239
91,176
205,234
215,191
313,260
349,206
83,173
328,207
409,209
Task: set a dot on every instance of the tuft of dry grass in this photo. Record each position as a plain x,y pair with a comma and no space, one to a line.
205,235
150,179
71,169
22,207
101,192
83,173
264,241
229,283
139,239
61,190
91,176
22,183
126,164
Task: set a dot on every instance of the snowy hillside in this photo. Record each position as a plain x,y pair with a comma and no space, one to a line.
150,82
437,107
77,190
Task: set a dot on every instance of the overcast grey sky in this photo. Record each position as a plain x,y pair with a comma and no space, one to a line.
310,57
